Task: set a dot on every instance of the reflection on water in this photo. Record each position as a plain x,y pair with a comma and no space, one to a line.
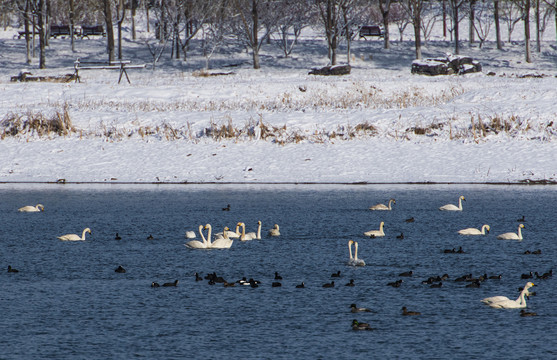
67,301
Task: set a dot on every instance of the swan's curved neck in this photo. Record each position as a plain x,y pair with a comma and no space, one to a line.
83,234
521,299
202,236
520,233
208,226
460,203
259,230
350,249
390,203
356,251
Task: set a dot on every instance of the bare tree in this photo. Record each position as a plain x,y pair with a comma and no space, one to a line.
429,19
385,9
249,27
107,10
525,6
455,6
482,19
292,17
415,9
400,17
511,16
497,24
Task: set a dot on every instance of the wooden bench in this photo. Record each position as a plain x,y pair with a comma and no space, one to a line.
371,30
122,65
59,30
92,30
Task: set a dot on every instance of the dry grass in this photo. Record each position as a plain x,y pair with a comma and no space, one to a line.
34,123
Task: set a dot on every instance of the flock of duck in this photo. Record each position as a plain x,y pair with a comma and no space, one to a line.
225,239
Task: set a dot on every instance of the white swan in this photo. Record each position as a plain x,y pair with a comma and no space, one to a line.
511,235
275,231
248,236
196,244
29,208
231,234
75,237
451,207
220,242
357,262
474,231
351,260
383,206
376,233
503,302
190,234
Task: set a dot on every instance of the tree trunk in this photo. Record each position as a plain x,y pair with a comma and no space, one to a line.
538,39
72,24
456,38
120,21
528,52
42,34
109,29
133,20
27,33
497,25
255,35
385,10
417,37
444,5
471,34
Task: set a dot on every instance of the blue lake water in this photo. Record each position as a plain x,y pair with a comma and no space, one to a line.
67,302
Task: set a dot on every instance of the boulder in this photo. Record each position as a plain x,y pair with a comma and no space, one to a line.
331,70
451,64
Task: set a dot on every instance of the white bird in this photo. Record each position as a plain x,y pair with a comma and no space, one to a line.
29,208
75,237
274,231
474,231
503,302
248,236
357,262
376,233
196,244
451,207
351,260
383,206
231,234
190,234
221,242
511,235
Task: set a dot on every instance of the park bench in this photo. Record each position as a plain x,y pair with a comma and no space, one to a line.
371,30
92,30
59,30
121,65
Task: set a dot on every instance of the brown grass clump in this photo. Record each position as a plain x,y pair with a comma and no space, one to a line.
36,123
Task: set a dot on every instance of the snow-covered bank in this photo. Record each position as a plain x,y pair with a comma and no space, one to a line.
380,124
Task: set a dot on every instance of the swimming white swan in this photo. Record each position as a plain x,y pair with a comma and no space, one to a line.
231,234
75,237
376,233
248,236
383,206
220,242
275,231
29,208
511,235
474,231
190,234
357,262
196,244
503,302
351,260
451,207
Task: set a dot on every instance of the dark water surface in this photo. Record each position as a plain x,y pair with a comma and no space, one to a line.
67,302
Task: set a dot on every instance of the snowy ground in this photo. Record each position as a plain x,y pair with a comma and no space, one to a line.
380,124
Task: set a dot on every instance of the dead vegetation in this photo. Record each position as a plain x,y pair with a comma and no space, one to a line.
36,124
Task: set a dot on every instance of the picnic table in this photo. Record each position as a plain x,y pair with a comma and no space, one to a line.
121,65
